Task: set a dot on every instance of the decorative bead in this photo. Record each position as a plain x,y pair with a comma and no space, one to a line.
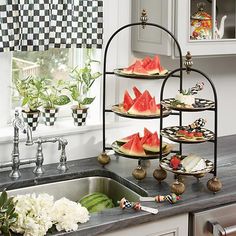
139,173
214,185
103,159
159,174
177,187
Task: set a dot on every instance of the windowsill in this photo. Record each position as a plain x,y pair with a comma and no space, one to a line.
61,128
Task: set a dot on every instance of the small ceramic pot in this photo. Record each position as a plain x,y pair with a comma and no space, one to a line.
50,115
31,118
79,115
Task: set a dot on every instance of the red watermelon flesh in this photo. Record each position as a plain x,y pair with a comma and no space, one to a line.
129,70
146,61
133,147
128,138
125,148
154,66
139,69
153,106
147,134
137,93
152,144
141,105
137,148
128,101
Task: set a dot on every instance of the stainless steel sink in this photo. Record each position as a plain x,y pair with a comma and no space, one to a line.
75,189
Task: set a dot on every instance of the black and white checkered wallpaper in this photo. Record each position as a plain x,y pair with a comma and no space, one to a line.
36,25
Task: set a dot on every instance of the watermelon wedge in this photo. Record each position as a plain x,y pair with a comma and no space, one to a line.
154,66
147,134
152,144
128,101
141,105
128,138
133,147
163,71
146,61
137,93
129,70
139,69
153,106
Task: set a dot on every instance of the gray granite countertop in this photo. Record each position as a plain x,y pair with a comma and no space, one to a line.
196,197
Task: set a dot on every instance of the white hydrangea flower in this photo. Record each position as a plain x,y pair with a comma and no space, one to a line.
34,215
67,214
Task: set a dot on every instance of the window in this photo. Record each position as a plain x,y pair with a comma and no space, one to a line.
56,63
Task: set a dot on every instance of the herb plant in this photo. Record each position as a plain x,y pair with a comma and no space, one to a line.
82,80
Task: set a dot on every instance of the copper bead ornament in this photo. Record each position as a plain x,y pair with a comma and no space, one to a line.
177,187
139,173
104,159
159,174
214,185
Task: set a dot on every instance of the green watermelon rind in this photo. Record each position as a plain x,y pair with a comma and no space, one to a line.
152,150
96,202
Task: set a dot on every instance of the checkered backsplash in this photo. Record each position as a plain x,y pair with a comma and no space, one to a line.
28,25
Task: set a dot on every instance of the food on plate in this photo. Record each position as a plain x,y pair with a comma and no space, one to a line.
142,104
146,66
186,98
96,202
175,162
128,138
152,143
189,134
193,163
135,145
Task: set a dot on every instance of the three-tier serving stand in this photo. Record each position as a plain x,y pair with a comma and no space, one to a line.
160,174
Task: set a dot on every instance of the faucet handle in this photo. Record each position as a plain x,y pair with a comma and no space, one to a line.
63,159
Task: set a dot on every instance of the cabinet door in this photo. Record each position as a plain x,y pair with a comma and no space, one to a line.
173,226
219,32
150,39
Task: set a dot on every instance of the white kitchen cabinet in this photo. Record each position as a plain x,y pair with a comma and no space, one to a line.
171,226
176,17
152,40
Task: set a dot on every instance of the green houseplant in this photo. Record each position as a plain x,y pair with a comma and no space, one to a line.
52,97
82,80
30,90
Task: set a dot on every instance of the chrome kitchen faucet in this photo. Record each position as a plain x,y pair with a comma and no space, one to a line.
16,162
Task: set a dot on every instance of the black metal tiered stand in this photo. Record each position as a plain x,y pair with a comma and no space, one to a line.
160,174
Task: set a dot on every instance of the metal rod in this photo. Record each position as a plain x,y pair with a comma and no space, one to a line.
108,148
108,110
110,73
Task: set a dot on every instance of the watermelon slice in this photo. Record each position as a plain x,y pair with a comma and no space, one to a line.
146,61
154,66
128,101
153,106
129,70
133,147
163,71
147,134
152,144
141,105
139,69
128,138
137,93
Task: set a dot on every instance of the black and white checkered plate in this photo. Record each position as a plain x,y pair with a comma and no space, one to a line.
119,110
200,105
170,133
165,164
121,73
115,146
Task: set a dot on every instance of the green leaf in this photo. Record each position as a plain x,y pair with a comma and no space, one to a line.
3,198
25,101
87,101
62,100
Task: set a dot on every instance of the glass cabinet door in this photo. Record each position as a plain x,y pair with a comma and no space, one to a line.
206,27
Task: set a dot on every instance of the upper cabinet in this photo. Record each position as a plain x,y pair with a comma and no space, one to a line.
203,27
151,39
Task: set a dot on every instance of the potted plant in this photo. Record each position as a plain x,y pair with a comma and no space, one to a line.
30,90
82,80
52,96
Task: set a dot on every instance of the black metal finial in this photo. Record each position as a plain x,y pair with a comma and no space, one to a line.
143,18
188,62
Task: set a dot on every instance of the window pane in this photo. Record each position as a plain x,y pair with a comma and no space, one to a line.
54,64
